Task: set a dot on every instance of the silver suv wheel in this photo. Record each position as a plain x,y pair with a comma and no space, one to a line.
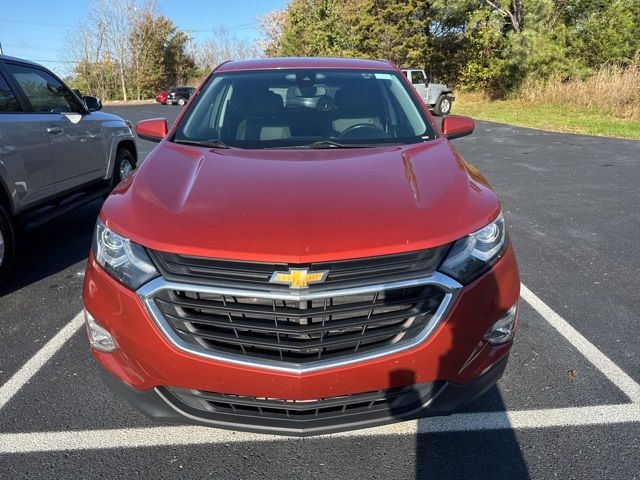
445,105
125,168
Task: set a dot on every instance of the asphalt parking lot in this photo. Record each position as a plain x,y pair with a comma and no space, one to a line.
568,405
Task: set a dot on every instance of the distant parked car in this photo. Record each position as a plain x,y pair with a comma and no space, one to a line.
57,151
180,95
437,96
161,97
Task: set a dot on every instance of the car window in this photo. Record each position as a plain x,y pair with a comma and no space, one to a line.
417,77
8,101
45,93
296,108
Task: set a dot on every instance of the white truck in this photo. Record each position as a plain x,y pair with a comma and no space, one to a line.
437,96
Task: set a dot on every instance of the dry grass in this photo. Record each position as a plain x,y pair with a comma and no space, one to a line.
556,117
613,90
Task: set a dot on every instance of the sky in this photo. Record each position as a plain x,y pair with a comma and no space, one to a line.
36,29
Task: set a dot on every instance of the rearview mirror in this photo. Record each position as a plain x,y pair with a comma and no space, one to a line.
93,103
154,129
456,126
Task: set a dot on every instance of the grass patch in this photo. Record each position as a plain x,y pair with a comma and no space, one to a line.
556,117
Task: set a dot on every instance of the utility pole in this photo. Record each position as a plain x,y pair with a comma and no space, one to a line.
0,48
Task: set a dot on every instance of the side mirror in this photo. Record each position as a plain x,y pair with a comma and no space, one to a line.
93,103
456,126
154,129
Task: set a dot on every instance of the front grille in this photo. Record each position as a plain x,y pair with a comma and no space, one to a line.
298,331
256,275
393,402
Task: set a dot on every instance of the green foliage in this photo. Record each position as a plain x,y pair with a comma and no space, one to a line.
313,28
394,29
610,33
494,46
155,58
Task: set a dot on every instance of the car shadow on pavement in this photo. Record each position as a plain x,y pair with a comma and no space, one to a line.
461,454
52,248
474,454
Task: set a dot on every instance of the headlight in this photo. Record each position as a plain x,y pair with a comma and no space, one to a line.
124,260
472,255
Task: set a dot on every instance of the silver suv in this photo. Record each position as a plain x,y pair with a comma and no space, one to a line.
57,152
438,96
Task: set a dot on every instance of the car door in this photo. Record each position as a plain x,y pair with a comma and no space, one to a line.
26,159
419,82
75,137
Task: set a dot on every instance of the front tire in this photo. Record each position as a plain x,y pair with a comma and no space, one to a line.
443,105
7,244
124,166
181,101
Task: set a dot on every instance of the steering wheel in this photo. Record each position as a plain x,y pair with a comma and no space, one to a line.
363,131
325,104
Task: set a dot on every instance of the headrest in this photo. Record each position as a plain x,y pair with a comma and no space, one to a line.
307,92
266,103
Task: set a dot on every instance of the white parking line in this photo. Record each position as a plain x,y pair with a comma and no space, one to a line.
35,363
188,435
613,372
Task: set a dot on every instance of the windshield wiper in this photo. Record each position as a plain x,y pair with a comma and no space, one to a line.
332,144
204,143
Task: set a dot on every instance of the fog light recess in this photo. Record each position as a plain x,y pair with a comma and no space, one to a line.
99,337
505,328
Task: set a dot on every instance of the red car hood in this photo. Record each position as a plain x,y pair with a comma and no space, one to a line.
300,206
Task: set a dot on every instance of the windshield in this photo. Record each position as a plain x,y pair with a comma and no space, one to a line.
305,109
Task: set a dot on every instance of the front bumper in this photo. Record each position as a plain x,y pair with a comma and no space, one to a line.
417,401
455,360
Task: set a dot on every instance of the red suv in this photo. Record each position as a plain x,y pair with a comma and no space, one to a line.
302,267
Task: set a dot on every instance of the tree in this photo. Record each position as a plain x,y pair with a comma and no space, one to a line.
395,30
270,27
113,20
222,46
178,64
511,11
608,32
133,49
313,28
148,35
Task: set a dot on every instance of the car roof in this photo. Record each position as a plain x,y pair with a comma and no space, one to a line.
21,60
304,62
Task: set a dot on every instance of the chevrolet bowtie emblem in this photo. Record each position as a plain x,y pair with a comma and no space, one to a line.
299,277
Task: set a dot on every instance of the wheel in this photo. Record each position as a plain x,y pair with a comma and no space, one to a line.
124,166
181,101
443,105
7,244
